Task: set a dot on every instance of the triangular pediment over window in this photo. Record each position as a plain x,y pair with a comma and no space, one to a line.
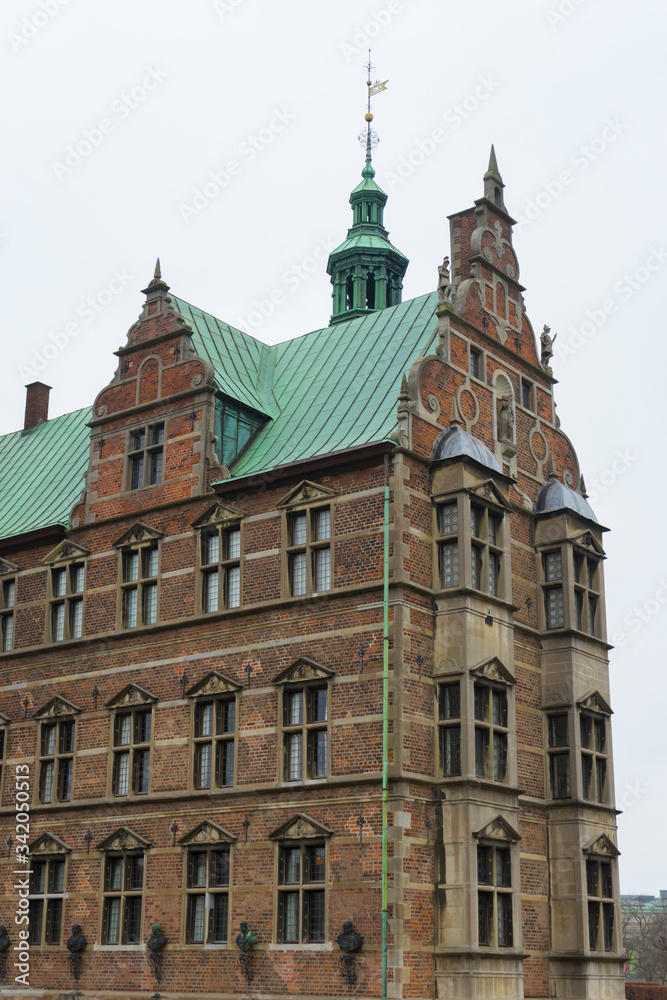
65,550
489,491
493,669
7,567
131,695
213,683
138,533
594,702
604,846
306,492
48,843
56,708
123,840
448,668
207,833
4,721
300,827
497,829
219,513
303,670
588,541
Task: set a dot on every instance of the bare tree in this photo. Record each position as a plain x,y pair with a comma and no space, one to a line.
645,938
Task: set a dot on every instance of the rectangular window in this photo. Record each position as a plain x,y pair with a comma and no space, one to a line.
494,896
221,568
601,906
56,761
146,456
486,549
593,756
139,585
122,899
47,885
305,732
302,893
475,362
559,756
586,594
527,395
131,751
207,919
214,733
553,597
491,732
448,546
66,601
309,551
7,602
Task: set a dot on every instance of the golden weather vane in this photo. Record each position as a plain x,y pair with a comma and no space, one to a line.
368,137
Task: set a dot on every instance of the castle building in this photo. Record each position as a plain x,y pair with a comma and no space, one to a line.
192,613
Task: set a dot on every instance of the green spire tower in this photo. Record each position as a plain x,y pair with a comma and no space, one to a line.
366,270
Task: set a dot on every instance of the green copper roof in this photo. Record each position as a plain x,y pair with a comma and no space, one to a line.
366,240
43,473
329,390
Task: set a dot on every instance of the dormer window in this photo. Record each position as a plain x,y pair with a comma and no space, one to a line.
146,456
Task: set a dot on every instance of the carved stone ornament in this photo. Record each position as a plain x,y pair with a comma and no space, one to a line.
603,845
48,843
136,534
490,491
65,550
546,343
300,827
219,513
132,694
594,702
494,670
56,708
7,567
303,670
213,683
506,420
497,829
123,840
447,666
306,492
588,541
554,696
207,832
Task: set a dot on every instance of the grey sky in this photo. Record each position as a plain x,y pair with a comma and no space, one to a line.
159,95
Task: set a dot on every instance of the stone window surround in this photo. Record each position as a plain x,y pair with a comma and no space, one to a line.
132,701
570,584
465,500
69,599
302,832
139,540
146,452
304,675
307,498
213,688
50,849
498,834
8,584
123,843
220,518
208,837
592,706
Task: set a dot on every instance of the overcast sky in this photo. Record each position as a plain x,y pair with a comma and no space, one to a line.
221,135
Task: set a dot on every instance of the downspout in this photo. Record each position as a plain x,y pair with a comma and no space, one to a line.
385,727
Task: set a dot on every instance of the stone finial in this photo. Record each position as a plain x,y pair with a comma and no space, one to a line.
404,393
551,468
582,487
493,183
492,170
456,419
157,283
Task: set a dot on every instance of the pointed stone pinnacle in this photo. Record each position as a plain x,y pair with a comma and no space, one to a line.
552,474
456,417
158,272
492,170
404,393
582,487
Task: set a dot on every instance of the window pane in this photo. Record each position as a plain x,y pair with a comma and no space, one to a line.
133,910
233,586
137,472
605,878
449,519
318,705
35,917
593,924
130,602
228,716
49,739
560,775
600,735
7,632
131,565
199,868
150,604
158,434
485,916
450,750
475,521
38,881
494,522
587,773
558,731
143,733
204,720
294,708
227,763
76,619
157,461
553,567
220,917
608,925
504,903
9,588
499,700
291,918
592,872
142,765
54,917
449,701
579,609
65,780
203,756
499,756
318,754
135,868
59,582
220,868
47,782
322,524
115,869
233,537
503,867
481,702
476,562
58,622
299,529
112,907
124,730
485,865
494,573
196,918
151,560
315,901
586,725
210,548
481,747
294,744
316,859
211,589
592,615
298,573
449,559
475,363
58,868
554,607
322,569
78,575
139,440
122,782
601,774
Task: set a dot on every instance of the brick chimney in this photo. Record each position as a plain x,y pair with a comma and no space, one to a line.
36,404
